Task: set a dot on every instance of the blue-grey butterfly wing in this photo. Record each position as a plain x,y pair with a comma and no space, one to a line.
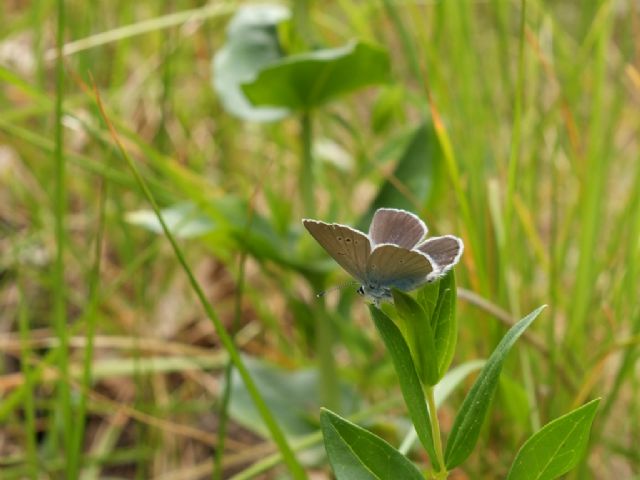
444,252
349,247
398,227
393,266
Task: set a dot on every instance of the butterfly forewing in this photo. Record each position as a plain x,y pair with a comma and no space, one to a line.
349,247
397,227
393,266
444,251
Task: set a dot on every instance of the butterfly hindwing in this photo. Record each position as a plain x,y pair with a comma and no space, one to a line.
393,266
398,227
444,252
349,247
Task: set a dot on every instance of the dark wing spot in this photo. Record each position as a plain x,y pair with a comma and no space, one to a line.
348,240
339,238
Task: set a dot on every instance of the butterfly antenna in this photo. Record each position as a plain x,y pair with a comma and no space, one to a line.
337,287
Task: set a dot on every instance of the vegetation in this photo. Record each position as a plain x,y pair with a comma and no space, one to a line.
159,315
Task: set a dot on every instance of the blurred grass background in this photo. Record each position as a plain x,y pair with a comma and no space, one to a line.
110,368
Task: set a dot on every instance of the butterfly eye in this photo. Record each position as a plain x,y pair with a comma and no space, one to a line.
360,290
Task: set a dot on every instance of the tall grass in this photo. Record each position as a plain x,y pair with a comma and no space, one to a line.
534,106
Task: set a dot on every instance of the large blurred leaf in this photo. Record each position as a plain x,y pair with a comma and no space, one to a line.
466,427
412,181
292,396
556,448
357,454
308,80
228,225
252,42
184,220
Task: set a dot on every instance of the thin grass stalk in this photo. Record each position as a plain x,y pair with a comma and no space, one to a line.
276,432
30,430
514,158
223,412
324,334
63,428
306,180
75,462
405,37
592,194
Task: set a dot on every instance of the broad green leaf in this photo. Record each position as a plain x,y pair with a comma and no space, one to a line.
556,448
357,454
292,396
252,43
466,427
408,377
308,80
412,181
419,336
445,323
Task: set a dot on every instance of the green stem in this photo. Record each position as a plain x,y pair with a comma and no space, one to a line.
435,433
306,180
327,365
30,431
324,335
75,456
59,203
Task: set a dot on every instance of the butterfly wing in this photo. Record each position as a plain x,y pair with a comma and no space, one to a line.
444,252
397,227
393,266
349,247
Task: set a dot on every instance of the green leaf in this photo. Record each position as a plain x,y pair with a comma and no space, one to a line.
357,454
252,43
412,181
308,80
466,427
419,336
408,377
428,297
444,323
556,448
515,402
388,108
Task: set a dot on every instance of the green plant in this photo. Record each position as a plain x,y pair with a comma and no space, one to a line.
420,336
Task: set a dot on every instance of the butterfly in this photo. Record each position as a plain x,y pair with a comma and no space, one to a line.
393,254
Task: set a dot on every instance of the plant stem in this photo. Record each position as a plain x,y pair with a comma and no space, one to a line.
435,433
62,417
306,179
329,391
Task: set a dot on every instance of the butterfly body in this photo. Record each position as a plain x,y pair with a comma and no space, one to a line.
391,255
